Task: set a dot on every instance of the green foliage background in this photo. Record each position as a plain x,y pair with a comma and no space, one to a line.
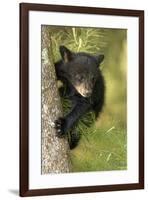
103,146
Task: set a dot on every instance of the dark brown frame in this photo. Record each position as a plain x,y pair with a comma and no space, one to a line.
24,96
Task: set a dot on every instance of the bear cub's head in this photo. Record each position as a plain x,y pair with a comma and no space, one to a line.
81,69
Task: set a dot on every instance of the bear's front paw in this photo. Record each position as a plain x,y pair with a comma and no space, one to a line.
60,127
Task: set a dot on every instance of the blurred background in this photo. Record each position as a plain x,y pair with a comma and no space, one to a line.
104,146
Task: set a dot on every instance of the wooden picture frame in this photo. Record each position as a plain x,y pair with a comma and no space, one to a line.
25,8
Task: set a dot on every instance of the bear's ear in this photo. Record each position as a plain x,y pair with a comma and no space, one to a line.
66,54
99,59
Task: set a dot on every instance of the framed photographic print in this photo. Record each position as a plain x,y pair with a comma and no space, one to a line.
81,99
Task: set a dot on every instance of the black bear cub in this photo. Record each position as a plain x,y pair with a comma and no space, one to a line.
83,86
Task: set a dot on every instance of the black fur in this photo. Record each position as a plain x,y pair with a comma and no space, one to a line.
73,70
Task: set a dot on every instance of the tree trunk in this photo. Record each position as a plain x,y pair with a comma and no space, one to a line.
55,151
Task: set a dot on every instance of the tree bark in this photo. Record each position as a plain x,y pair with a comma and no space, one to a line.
55,151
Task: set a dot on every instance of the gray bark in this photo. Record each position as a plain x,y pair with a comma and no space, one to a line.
55,151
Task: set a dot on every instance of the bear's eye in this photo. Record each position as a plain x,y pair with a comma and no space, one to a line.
79,78
93,79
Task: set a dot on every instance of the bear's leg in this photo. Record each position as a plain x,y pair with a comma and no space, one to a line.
62,125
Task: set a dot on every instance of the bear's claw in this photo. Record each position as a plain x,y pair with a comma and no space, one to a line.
59,126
